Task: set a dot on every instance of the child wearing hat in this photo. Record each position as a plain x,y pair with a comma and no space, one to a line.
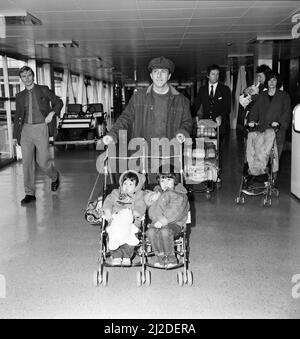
168,210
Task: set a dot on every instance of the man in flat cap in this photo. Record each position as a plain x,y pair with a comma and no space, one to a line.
159,111
156,112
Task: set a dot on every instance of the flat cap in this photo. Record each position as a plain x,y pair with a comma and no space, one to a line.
161,62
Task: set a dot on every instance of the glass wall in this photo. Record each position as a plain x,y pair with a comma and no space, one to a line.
8,90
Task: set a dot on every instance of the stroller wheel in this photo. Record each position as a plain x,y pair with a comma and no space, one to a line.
189,278
240,200
96,279
139,278
180,278
267,202
148,278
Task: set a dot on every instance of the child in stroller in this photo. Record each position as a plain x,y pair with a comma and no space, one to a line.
123,208
168,210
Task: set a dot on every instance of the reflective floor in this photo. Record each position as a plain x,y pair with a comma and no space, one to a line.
243,258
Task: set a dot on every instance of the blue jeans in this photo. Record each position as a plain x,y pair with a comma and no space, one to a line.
162,239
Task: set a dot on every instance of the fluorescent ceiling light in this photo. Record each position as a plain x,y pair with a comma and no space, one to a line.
21,17
88,59
2,28
239,55
279,37
57,43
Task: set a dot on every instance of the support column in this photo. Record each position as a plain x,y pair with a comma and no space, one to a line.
8,106
71,94
32,64
101,94
48,76
81,89
64,90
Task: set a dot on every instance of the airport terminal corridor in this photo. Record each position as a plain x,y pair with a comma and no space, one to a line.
243,257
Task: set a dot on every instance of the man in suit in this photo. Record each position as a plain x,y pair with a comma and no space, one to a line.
33,114
214,102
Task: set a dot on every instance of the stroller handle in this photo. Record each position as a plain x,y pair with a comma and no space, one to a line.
277,127
252,126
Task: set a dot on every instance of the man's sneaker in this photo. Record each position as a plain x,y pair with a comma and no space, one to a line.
126,262
55,184
28,198
116,262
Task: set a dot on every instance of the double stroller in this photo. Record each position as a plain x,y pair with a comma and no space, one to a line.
260,165
143,251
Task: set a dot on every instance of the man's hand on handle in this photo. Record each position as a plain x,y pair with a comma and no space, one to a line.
180,138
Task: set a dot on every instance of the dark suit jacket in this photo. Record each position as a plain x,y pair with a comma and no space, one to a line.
47,102
221,107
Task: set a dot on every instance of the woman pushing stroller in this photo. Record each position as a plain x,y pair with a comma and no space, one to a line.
272,109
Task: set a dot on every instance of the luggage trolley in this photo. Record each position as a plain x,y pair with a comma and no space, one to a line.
202,165
81,125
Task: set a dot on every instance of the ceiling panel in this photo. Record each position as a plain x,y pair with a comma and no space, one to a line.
45,5
164,30
219,12
213,21
274,4
167,4
259,20
258,28
87,24
207,29
6,4
266,12
166,14
55,17
106,4
165,23
160,36
112,15
127,33
212,4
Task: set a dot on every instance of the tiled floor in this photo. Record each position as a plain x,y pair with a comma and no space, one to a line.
243,258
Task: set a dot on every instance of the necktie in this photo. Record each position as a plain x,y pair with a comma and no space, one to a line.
30,107
211,94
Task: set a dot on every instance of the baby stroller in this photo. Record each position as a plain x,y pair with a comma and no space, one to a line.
184,276
202,167
93,215
260,164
